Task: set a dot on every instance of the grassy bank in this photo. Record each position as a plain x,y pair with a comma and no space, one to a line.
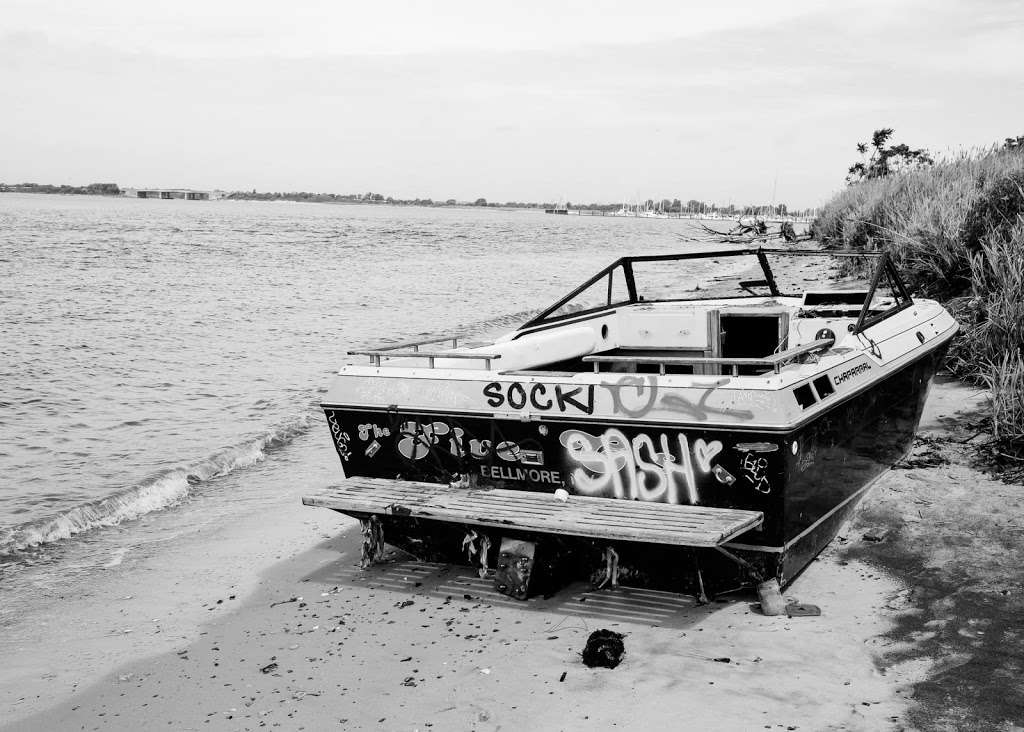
957,231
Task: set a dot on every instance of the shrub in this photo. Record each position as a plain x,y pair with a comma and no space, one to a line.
957,232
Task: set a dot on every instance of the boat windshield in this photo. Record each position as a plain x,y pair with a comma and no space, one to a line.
608,289
866,282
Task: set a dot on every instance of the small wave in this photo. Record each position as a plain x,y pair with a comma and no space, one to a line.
159,491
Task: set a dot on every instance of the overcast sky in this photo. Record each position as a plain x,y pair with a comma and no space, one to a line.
587,101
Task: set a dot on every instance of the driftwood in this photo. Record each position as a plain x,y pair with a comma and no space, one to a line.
749,231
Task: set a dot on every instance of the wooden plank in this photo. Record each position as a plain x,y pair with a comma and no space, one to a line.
553,512
658,517
600,518
541,502
417,489
601,514
533,502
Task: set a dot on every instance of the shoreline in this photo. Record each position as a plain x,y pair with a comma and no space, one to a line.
595,209
407,645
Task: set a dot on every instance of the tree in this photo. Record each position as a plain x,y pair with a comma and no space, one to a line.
480,202
883,160
1014,143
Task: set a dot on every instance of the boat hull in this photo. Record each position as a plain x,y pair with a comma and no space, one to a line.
806,480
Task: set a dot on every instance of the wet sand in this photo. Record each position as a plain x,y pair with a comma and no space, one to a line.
270,623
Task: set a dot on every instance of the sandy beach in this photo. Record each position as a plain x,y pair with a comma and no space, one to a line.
270,623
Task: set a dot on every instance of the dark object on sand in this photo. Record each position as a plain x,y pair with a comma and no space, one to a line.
604,648
797,610
875,535
268,668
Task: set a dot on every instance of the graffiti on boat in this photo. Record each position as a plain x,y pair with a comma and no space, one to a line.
612,465
663,465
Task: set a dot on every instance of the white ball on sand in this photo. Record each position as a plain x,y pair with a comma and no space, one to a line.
562,495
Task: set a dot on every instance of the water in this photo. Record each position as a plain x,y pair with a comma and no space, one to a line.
150,348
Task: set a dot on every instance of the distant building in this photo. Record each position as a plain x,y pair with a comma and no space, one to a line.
168,193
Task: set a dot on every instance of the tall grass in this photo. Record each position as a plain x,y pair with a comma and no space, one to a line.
957,232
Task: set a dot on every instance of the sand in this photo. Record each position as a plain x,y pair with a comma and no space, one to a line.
270,623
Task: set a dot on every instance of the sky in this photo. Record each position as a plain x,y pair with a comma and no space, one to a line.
736,101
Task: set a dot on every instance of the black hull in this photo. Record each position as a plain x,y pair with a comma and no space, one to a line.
806,481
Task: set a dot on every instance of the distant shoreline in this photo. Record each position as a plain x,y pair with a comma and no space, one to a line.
669,206
93,189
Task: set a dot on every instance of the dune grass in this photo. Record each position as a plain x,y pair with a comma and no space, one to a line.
957,231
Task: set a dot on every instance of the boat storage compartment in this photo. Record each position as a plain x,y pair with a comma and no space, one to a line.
753,334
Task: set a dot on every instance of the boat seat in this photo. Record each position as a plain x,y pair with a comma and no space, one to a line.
596,518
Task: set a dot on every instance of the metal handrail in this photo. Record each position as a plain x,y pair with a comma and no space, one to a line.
375,355
407,344
776,360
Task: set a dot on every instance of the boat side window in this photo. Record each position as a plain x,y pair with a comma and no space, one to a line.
887,296
611,289
671,279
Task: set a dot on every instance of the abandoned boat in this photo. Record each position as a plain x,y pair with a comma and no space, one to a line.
711,435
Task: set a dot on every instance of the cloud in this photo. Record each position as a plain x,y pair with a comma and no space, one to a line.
717,114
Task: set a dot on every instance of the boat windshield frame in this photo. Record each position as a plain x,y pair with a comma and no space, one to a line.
884,269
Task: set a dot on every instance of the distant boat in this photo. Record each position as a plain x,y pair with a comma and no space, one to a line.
560,208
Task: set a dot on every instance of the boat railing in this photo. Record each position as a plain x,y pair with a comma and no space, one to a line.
774,361
411,349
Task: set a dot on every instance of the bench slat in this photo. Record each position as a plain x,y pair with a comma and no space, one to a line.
598,518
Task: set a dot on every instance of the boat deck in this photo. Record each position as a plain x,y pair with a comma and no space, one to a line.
597,518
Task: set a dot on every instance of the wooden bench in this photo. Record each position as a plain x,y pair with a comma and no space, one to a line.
597,518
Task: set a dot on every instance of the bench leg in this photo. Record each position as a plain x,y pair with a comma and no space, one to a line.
771,598
611,569
373,540
702,597
475,544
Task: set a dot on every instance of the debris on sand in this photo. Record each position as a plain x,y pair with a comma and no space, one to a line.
604,648
285,602
797,610
876,535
